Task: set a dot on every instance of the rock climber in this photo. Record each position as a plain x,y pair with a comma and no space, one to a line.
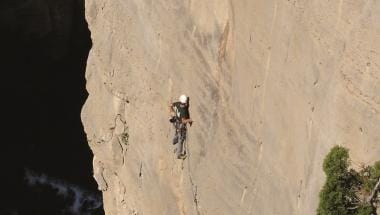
180,116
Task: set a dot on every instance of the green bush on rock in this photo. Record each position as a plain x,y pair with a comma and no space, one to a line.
346,191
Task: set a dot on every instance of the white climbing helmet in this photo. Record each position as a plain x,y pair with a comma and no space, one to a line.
183,99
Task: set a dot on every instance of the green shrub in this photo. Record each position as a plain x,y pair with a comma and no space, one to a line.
125,138
369,176
346,191
366,210
336,162
335,195
375,170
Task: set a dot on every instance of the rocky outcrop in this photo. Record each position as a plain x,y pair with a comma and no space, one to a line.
273,85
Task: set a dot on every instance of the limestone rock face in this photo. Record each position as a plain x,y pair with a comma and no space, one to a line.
273,86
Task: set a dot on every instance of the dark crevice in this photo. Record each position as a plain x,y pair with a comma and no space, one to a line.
44,49
194,187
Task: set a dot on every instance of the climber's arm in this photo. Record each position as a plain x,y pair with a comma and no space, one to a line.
171,110
188,120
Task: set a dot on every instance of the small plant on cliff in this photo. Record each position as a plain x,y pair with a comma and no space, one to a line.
346,191
125,137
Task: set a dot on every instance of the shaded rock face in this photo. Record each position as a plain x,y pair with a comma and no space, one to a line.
44,48
273,86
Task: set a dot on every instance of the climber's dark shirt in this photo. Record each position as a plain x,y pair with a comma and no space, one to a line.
181,112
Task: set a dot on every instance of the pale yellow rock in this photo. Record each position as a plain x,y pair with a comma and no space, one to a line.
273,86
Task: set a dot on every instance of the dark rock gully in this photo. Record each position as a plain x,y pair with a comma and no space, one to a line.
44,49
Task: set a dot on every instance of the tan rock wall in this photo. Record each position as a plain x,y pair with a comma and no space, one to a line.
273,85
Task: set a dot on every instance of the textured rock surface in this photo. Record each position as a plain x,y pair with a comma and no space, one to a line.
273,85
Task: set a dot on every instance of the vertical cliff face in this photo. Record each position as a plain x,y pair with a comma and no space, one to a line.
273,85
